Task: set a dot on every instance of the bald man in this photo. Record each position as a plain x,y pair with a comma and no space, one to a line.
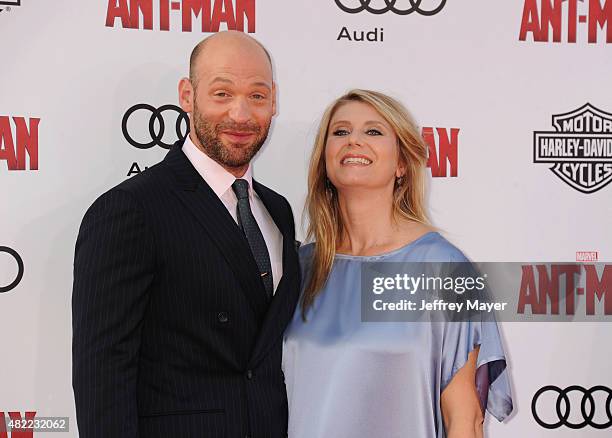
186,275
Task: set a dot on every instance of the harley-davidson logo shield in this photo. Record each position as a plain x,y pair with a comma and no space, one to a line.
580,148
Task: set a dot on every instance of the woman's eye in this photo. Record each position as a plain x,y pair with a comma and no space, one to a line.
373,132
339,132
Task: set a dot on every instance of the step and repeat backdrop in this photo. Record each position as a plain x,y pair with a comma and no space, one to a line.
514,99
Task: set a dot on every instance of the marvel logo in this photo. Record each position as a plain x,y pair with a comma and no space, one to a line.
586,256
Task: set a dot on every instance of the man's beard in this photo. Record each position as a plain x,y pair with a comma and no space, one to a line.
233,157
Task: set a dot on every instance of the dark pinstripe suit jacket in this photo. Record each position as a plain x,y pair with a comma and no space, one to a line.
172,333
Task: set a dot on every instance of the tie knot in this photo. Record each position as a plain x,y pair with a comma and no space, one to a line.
241,188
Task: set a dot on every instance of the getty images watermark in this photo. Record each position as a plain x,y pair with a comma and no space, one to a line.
464,291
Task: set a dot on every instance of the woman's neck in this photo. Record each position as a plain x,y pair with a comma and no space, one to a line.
370,226
367,218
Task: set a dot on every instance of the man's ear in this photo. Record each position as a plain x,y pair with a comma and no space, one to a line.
186,95
273,98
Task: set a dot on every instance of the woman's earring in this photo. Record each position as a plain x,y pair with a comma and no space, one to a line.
399,181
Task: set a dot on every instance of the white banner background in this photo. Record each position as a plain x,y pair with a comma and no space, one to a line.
462,68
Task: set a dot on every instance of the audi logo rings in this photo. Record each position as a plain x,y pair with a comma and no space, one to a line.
390,6
19,261
156,114
587,407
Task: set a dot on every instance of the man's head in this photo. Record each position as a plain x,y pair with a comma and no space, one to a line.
231,97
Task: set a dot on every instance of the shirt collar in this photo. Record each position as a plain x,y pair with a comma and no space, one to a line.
218,178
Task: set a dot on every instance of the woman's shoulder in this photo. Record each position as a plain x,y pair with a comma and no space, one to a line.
305,253
306,249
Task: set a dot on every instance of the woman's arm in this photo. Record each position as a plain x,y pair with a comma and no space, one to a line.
461,411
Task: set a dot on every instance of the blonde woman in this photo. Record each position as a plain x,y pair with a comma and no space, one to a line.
350,379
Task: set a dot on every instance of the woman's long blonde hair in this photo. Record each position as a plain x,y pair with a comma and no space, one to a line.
325,226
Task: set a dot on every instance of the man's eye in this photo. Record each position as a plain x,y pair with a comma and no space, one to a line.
340,132
221,94
258,96
373,132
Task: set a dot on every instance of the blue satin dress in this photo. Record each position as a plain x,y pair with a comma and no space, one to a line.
351,379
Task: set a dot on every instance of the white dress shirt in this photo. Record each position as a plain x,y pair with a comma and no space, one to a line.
220,181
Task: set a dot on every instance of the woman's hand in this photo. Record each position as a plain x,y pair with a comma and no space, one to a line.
461,411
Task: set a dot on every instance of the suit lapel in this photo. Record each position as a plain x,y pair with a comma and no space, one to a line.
203,203
286,295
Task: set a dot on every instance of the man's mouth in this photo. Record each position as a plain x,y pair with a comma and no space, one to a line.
238,136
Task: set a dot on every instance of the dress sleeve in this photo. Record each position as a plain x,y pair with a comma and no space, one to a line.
492,383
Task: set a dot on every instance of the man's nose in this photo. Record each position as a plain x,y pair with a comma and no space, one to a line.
240,111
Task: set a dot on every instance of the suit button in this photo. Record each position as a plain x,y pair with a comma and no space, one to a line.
249,374
222,317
